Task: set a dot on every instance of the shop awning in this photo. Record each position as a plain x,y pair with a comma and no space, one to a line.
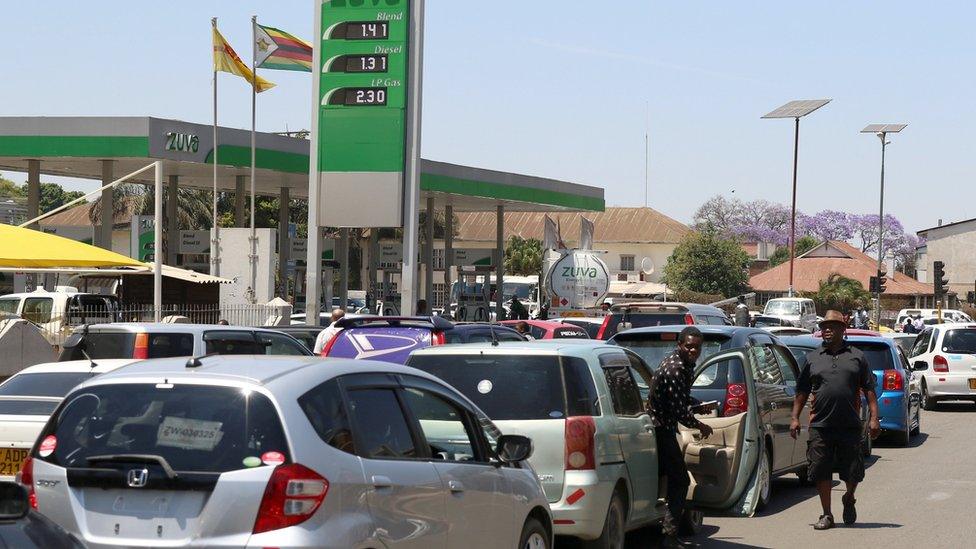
27,248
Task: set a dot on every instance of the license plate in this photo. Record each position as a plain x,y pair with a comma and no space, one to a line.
972,383
11,459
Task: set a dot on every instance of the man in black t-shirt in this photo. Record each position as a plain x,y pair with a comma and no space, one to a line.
834,376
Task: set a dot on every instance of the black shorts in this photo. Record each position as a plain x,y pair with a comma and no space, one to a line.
835,450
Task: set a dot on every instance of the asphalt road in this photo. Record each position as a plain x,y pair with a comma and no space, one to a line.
921,496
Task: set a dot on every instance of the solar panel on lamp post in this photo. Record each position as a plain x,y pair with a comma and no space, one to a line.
796,110
882,131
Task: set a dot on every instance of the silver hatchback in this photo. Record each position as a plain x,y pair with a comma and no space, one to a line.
258,451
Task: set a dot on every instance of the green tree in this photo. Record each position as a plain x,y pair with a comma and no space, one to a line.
9,189
782,254
523,256
840,293
706,262
54,196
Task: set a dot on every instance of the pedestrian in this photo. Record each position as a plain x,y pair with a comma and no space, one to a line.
326,335
223,322
918,323
517,310
670,403
909,327
422,307
605,307
834,375
523,328
742,312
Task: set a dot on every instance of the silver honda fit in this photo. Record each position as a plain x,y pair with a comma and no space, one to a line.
283,451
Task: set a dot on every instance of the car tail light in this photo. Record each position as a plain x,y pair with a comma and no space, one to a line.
893,381
580,454
603,327
141,347
329,344
940,364
27,479
437,337
293,494
735,399
689,319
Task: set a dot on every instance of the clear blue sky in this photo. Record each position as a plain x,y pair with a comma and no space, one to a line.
565,90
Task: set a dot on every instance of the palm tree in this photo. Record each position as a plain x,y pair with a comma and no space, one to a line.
840,293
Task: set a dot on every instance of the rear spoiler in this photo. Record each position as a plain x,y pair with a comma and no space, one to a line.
435,322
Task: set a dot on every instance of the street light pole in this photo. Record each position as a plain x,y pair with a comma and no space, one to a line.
796,156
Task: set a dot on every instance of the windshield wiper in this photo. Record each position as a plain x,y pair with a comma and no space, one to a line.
138,458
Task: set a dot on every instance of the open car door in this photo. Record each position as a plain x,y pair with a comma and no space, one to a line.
723,467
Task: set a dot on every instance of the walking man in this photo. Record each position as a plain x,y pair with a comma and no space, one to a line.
834,375
742,312
326,335
670,403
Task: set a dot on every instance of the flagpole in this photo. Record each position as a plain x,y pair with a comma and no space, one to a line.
254,95
215,237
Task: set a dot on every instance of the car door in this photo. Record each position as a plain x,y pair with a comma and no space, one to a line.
723,467
774,402
477,492
790,372
405,495
633,431
914,384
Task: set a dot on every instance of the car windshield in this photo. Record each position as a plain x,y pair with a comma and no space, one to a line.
654,347
49,384
782,308
504,386
961,341
767,321
200,428
522,290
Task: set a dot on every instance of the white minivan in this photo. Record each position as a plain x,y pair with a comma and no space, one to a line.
57,313
798,310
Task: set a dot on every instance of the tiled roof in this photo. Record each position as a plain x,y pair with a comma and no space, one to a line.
828,258
615,224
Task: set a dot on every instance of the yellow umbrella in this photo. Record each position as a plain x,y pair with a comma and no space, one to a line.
20,247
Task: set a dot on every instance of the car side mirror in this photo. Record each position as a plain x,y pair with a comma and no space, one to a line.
13,501
919,366
513,448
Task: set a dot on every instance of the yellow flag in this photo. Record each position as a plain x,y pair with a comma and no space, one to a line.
227,60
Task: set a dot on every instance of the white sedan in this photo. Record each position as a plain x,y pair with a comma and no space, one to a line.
944,355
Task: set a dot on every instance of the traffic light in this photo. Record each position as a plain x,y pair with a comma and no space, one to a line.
882,280
971,296
941,282
873,285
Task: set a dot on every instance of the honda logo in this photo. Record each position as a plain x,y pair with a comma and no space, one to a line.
137,478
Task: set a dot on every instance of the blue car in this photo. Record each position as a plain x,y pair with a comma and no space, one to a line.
896,386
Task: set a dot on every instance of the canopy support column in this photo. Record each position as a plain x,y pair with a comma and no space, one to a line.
240,217
33,191
448,255
103,237
429,255
374,252
499,261
284,243
343,268
172,221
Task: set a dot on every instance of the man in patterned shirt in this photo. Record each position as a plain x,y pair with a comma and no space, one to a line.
670,403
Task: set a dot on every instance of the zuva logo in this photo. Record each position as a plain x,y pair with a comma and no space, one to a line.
576,272
182,142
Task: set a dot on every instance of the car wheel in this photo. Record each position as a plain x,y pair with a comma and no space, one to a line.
928,403
867,444
691,522
612,536
903,438
918,422
534,536
765,480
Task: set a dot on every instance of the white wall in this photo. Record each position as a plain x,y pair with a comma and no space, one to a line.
954,246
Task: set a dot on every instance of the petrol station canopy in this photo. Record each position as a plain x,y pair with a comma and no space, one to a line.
76,147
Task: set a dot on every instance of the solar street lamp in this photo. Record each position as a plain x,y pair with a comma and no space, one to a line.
882,131
795,110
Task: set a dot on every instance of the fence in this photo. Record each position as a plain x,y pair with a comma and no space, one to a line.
57,325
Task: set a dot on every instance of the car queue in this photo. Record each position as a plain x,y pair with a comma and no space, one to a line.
482,436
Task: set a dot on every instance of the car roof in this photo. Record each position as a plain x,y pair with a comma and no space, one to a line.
811,341
261,370
79,366
704,328
165,327
535,322
539,346
678,306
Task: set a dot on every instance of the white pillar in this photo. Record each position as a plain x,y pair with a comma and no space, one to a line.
499,260
343,257
158,233
103,239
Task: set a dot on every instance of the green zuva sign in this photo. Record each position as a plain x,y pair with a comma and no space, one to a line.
362,103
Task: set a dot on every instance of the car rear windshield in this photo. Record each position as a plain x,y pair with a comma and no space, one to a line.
654,347
27,407
641,320
54,384
98,345
9,305
959,341
197,428
510,387
878,354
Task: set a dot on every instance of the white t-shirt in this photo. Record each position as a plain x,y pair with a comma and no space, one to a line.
324,337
